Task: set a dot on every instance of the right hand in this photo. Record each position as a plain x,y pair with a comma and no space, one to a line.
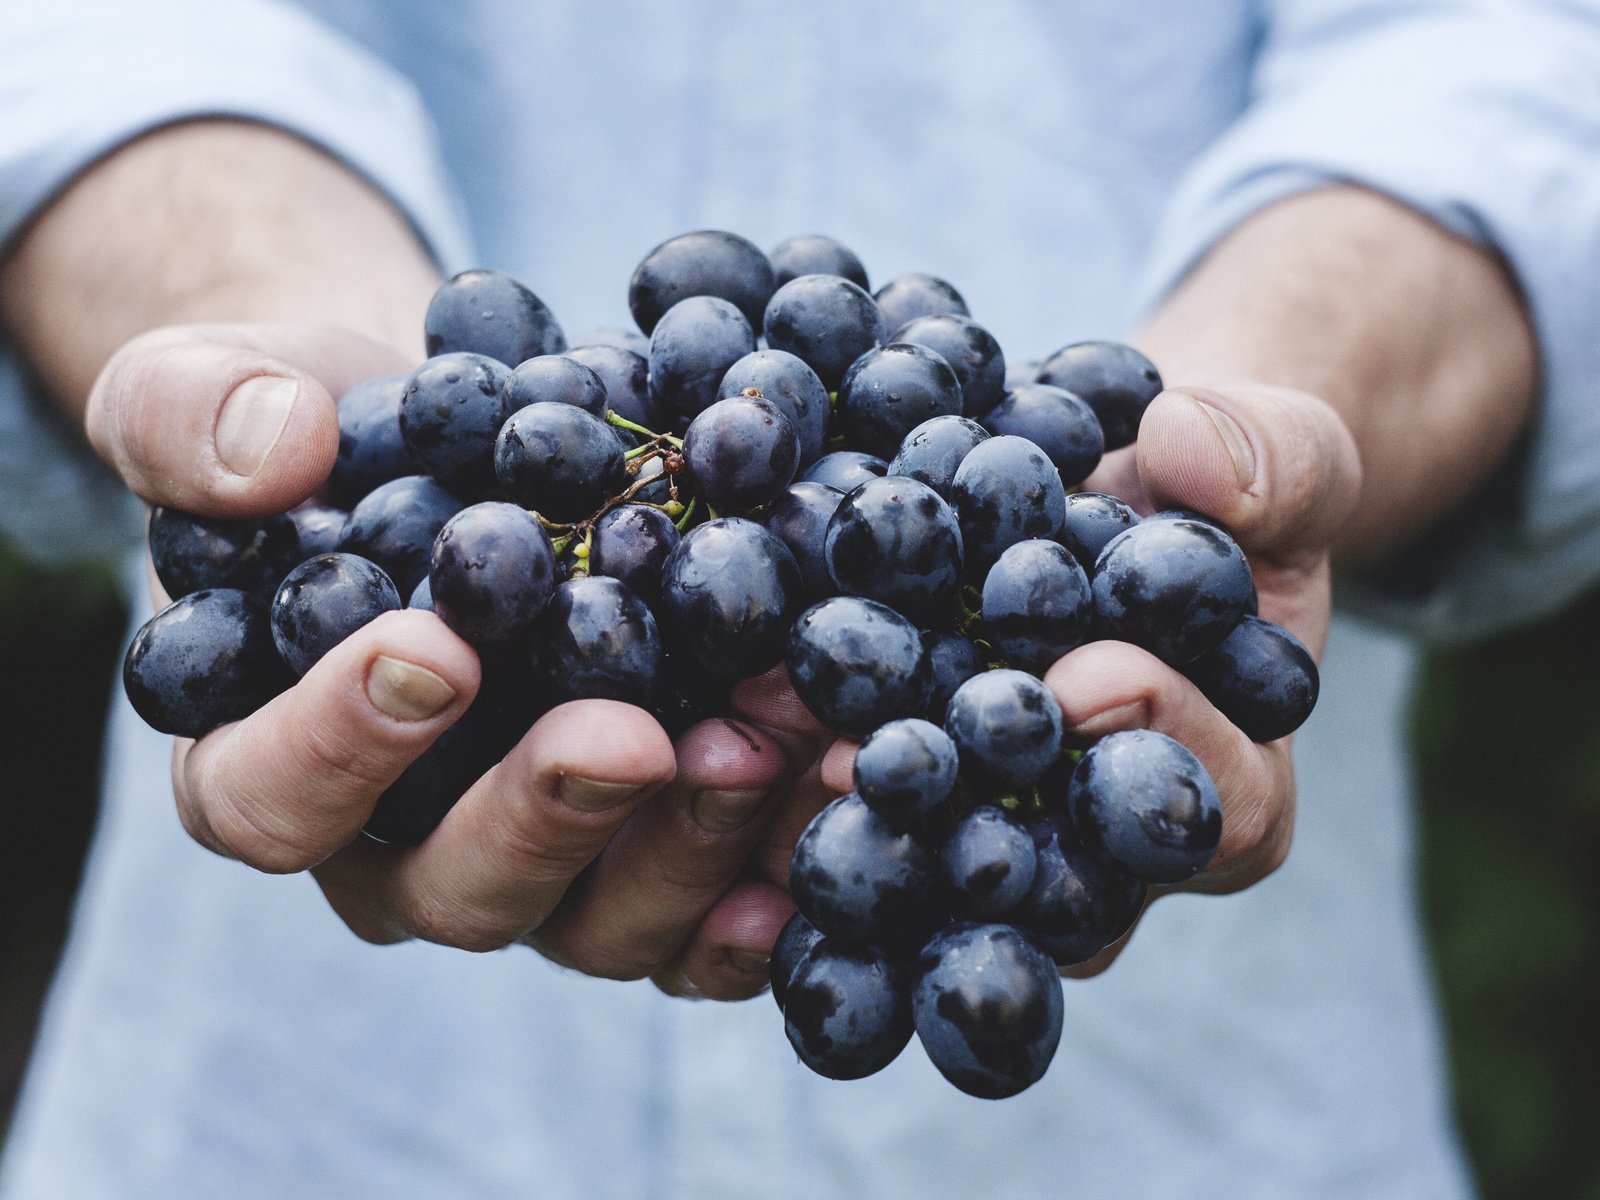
239,421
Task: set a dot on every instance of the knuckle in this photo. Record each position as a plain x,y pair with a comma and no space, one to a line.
245,830
447,922
330,753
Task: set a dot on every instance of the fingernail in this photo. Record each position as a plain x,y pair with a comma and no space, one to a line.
594,795
1238,446
1132,715
723,811
406,691
751,962
252,420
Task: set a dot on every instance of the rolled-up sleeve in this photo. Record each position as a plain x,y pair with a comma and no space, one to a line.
1486,117
78,78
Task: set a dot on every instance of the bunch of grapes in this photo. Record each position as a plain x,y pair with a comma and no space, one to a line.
791,469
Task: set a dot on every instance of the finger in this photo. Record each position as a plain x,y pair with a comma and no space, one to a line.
640,902
730,956
294,781
232,421
1109,686
505,854
838,766
802,800
769,701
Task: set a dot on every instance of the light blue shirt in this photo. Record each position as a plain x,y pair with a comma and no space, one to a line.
218,1033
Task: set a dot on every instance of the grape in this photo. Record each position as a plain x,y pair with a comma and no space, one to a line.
371,450
1092,520
1116,381
491,572
317,529
1006,725
906,297
987,1007
1077,904
1059,423
1176,587
933,450
792,386
896,541
631,542
971,351
741,452
729,592
987,863
856,663
848,1013
555,379
952,660
685,694
1144,802
193,553
1262,678
611,338
558,460
422,596
825,320
794,942
203,661
452,409
597,640
845,470
694,345
858,878
705,263
625,374
815,254
800,519
323,601
1005,491
490,313
1036,605
394,526
889,391
905,769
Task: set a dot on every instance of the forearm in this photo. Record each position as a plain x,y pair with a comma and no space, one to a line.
210,221
1417,338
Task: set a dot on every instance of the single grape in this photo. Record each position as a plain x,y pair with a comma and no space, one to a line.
1092,520
1077,904
694,345
317,527
1262,678
597,640
489,313
1115,380
972,352
452,408
815,254
631,543
741,453
845,470
800,519
856,664
794,942
790,384
987,863
611,338
559,461
193,553
422,596
1006,725
848,1013
555,379
491,572
907,297
323,601
1036,605
1005,491
729,593
905,769
394,526
685,694
858,878
371,450
625,374
1059,423
896,541
825,320
933,450
708,262
889,391
952,660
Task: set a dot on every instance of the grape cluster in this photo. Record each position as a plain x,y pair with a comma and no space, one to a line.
780,467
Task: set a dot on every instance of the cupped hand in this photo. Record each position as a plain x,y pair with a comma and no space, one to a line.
594,840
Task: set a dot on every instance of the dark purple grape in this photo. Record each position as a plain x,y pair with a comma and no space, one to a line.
193,553
792,386
490,313
1092,520
891,390
907,297
1036,605
987,863
1175,587
371,450
559,461
825,320
1078,904
1006,725
858,878
971,351
987,1007
452,409
729,593
203,661
686,694
1115,380
609,338
933,450
707,262
849,1010
596,640
491,572
394,526
422,596
896,541
800,519
906,769
318,528
1005,491
631,544
1019,373
1145,802
555,379
952,660
845,470
1059,423
1262,678
741,453
626,378
323,601
815,254
693,347
794,942
856,664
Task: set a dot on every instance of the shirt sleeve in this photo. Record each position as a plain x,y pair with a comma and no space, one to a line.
1486,118
78,78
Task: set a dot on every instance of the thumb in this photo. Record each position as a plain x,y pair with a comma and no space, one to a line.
228,421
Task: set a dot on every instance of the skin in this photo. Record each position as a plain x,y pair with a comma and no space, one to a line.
1344,373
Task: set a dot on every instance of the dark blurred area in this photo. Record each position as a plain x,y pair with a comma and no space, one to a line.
1508,741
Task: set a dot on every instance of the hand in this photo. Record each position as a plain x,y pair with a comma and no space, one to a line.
595,840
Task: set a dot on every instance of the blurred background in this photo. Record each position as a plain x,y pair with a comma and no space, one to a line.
1507,735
